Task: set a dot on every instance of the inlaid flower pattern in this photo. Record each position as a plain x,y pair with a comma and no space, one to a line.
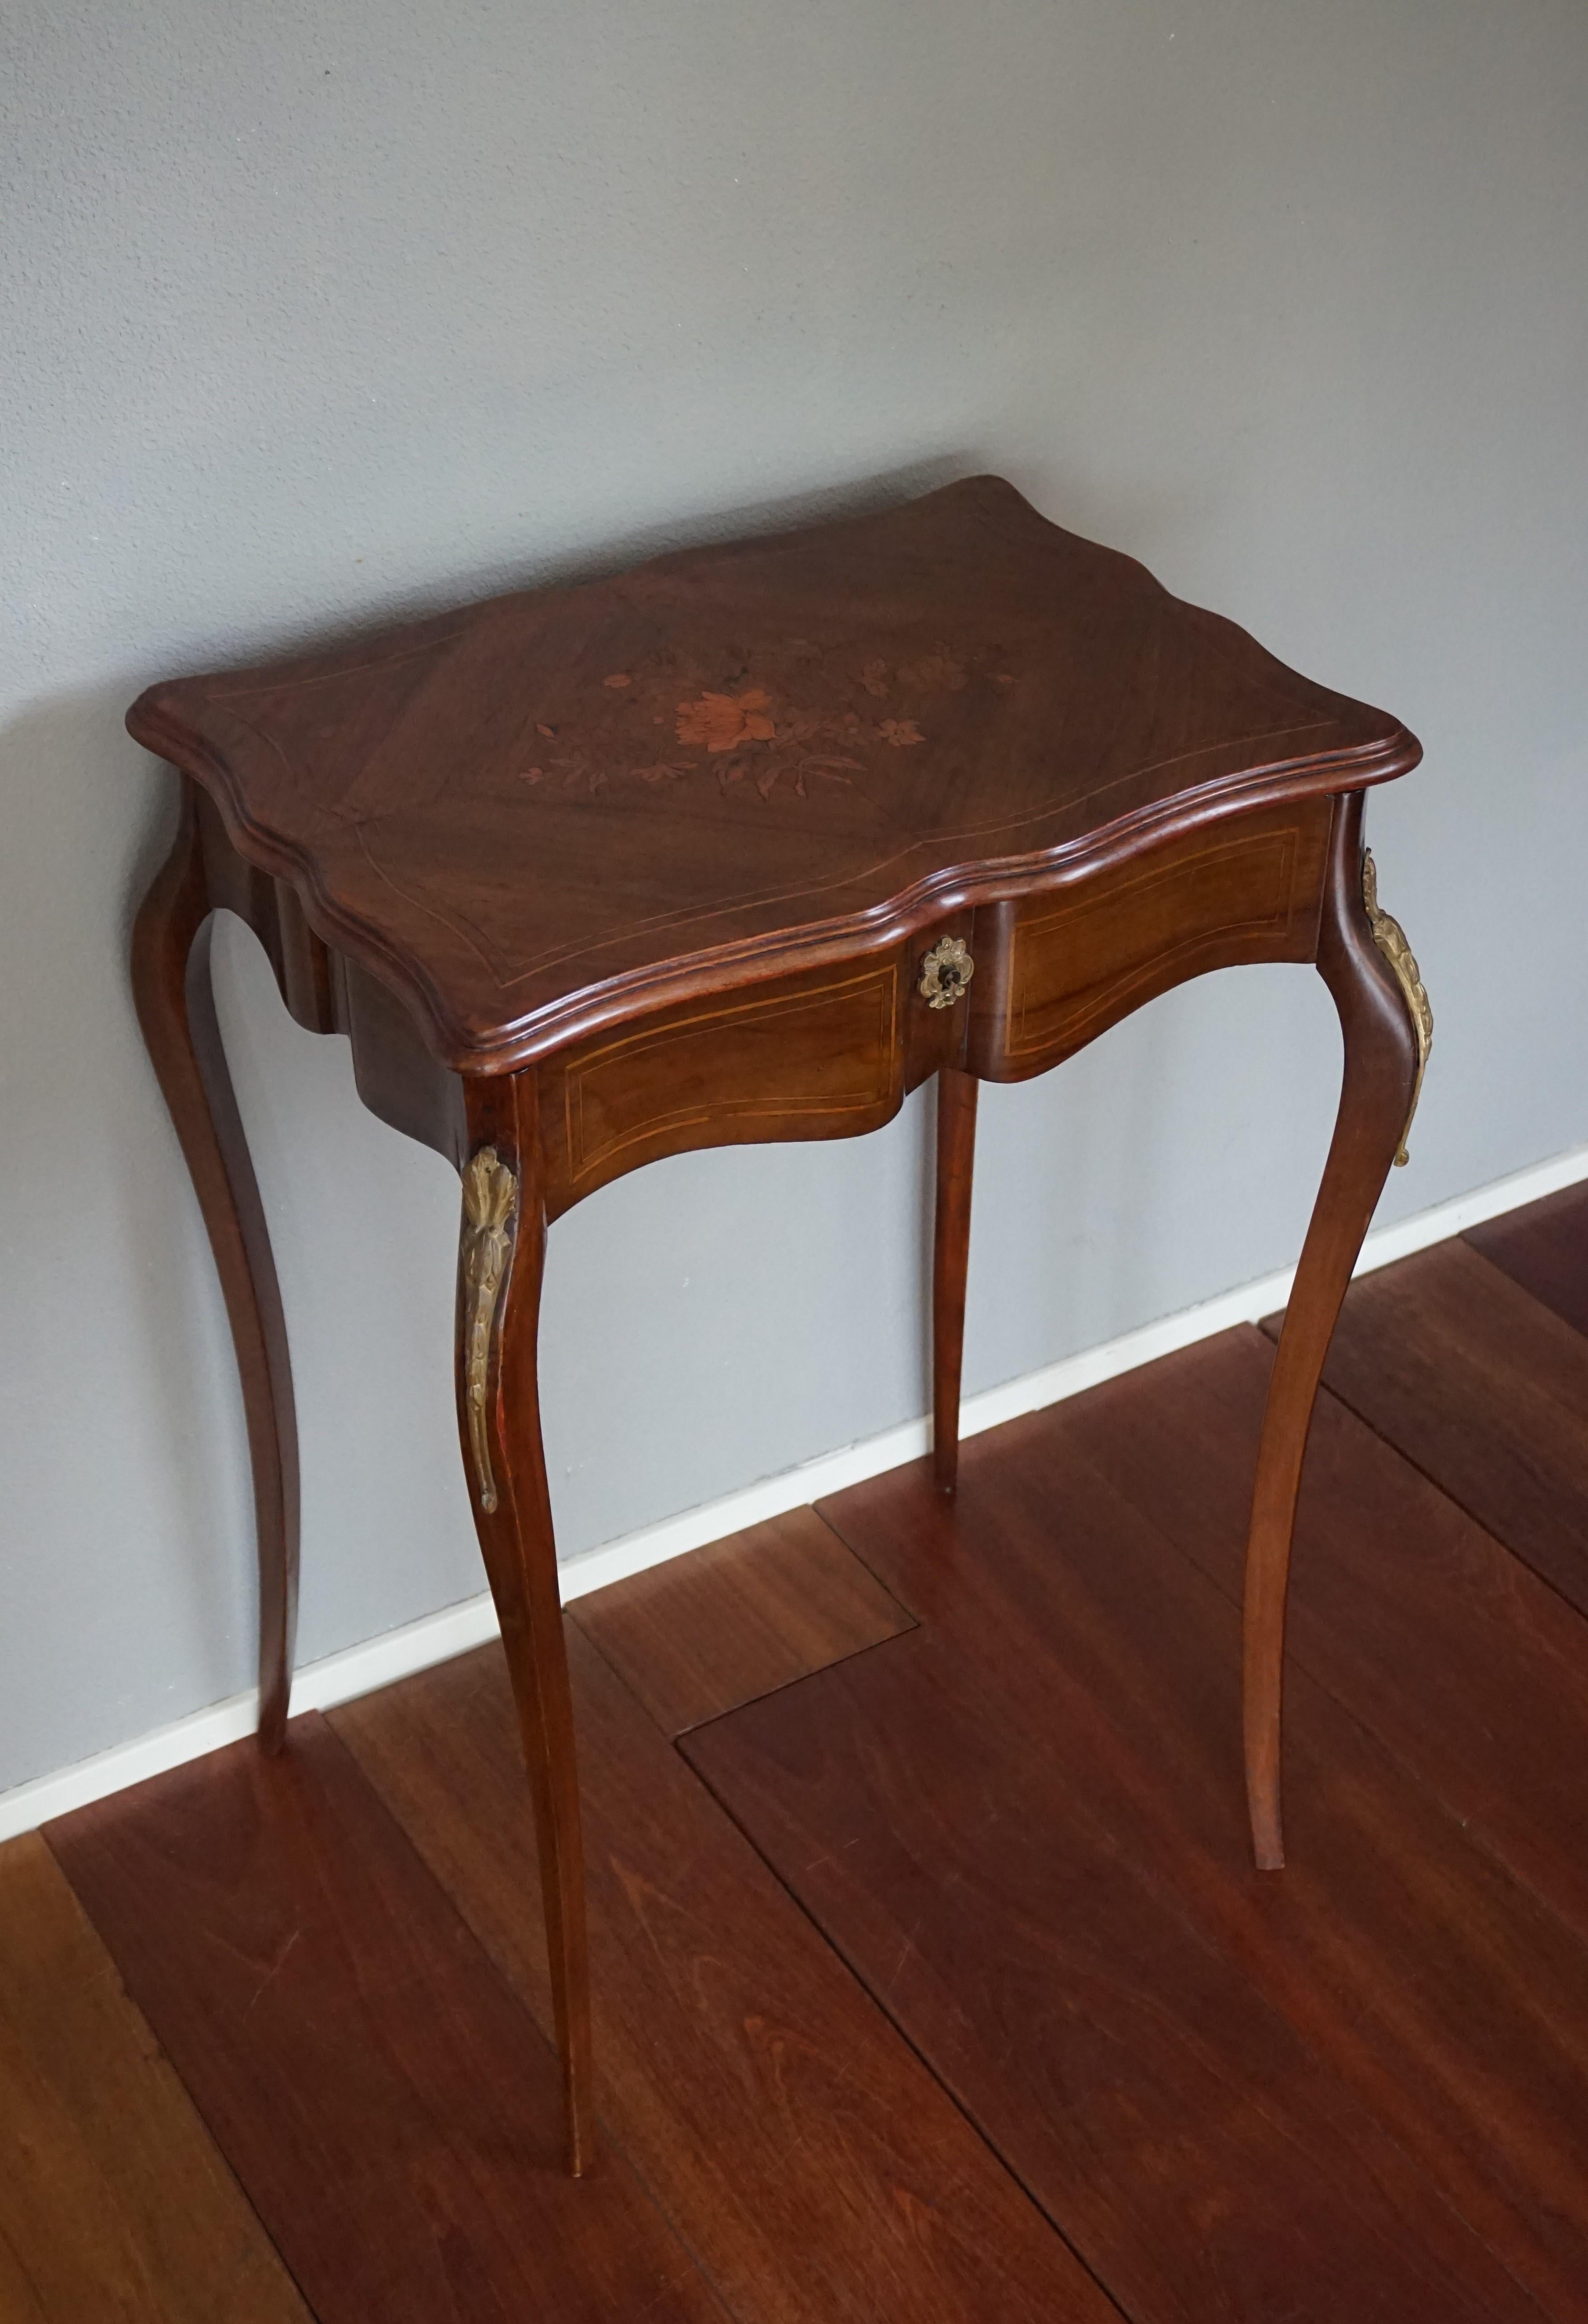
753,732
721,722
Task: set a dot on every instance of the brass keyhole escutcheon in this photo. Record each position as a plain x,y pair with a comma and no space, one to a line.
946,971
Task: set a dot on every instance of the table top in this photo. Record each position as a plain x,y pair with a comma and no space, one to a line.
557,808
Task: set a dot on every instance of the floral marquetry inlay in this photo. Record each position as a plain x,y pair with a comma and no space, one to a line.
721,722
525,816
760,734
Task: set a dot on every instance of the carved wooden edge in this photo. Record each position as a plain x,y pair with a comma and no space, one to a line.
1391,938
490,1204
617,999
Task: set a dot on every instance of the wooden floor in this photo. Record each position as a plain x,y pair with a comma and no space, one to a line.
933,1979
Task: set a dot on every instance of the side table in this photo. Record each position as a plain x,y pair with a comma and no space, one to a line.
743,845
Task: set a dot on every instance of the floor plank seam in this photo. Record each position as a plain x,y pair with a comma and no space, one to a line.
1472,1516
912,1623
1469,1826
1015,2177
1470,1829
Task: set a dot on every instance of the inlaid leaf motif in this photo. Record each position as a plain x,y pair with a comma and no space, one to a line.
902,732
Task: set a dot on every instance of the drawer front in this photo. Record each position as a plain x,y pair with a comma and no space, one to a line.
818,1056
1082,959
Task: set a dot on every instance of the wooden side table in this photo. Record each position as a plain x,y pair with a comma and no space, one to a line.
743,845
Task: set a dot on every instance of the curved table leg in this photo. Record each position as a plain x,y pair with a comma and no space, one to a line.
175,1001
1386,1023
956,1151
500,1262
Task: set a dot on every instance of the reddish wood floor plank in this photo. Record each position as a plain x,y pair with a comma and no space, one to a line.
1544,1247
1485,1389
1472,1671
704,1633
1394,1994
1206,2165
805,2153
115,2203
387,2103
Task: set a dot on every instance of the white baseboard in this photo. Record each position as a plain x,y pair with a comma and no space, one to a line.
396,1654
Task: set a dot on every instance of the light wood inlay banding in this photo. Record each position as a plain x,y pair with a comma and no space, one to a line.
813,1054
1083,960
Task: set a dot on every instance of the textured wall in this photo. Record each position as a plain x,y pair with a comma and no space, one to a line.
312,314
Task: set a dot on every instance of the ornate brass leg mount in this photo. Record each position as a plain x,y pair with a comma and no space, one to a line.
490,1197
1391,938
501,1258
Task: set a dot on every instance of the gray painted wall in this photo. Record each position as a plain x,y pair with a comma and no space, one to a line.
318,313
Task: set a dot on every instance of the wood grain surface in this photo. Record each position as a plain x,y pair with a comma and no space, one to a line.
116,2205
1378,1096
1021,1828
823,1054
969,2003
1544,1247
538,814
1486,1390
951,1257
1178,2131
704,1633
389,2107
801,2148
1083,958
1470,1670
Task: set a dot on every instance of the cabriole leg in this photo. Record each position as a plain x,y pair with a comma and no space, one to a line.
501,1260
1387,1025
956,1149
175,1000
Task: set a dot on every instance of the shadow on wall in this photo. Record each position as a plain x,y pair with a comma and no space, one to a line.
124,1527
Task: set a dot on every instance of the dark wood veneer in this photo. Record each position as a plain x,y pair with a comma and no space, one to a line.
814,1055
963,700
1084,956
589,876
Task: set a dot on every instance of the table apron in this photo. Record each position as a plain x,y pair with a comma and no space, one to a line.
1055,969
830,1052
